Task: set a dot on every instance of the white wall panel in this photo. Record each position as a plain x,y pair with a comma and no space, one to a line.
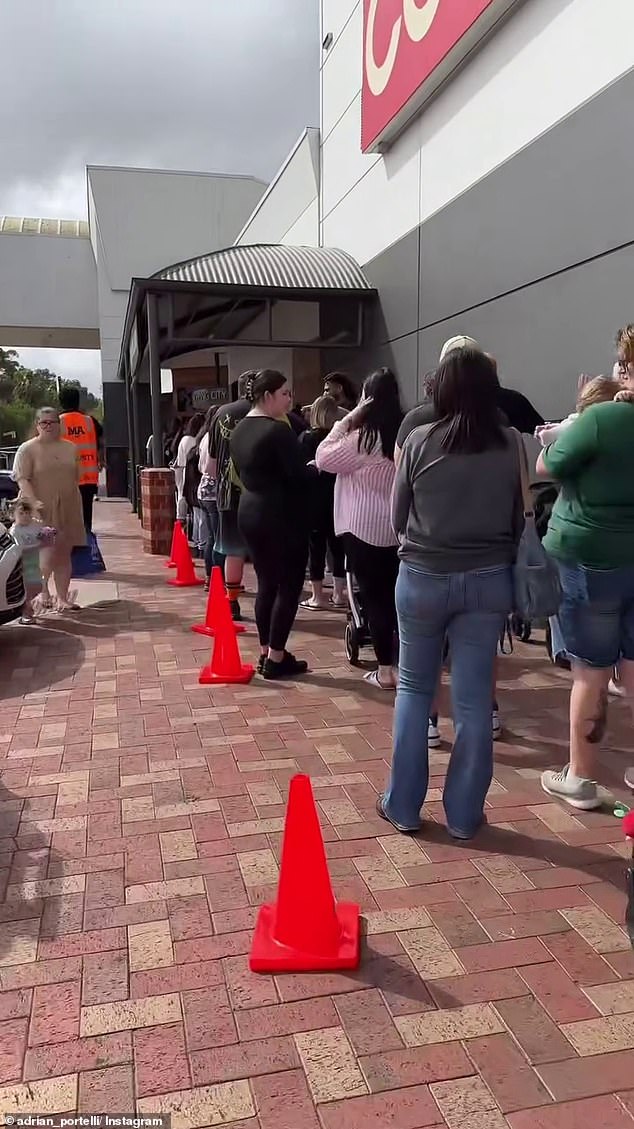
149,220
342,73
343,163
48,282
335,14
285,201
548,59
305,230
381,206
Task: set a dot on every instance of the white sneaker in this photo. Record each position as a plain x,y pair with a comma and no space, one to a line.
616,689
497,725
433,735
574,790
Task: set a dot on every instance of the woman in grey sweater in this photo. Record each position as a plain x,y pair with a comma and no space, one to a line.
457,511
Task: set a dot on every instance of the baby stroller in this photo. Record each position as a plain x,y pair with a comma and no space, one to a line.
357,634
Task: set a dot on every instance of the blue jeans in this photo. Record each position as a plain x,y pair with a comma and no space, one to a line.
596,614
470,609
210,518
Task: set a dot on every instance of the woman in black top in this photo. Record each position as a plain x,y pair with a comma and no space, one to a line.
323,414
273,516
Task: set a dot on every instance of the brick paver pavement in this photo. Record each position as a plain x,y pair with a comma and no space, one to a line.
141,827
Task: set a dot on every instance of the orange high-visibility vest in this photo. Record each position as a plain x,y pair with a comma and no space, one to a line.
80,430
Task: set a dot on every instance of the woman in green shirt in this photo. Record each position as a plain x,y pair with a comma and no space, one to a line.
591,537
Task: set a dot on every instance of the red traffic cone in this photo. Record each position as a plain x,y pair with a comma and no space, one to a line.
226,666
217,593
628,827
185,575
170,562
305,930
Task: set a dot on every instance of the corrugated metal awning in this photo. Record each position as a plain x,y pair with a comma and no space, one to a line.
273,266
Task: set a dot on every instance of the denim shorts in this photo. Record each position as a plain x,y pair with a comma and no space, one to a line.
229,540
596,614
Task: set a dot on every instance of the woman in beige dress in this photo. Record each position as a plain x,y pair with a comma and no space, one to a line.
46,469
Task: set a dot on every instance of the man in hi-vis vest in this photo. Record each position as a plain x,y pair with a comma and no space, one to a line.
86,433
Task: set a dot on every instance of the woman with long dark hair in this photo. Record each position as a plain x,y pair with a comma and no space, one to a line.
360,451
457,510
272,516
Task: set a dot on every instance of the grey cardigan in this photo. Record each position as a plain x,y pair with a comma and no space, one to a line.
457,512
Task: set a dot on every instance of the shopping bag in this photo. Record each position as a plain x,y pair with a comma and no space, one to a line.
537,591
86,560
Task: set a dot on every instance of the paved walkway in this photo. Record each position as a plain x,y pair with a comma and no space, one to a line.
141,827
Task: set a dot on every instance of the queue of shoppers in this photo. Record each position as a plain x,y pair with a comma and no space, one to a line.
429,511
426,510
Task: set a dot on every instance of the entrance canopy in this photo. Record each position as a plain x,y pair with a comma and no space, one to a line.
245,295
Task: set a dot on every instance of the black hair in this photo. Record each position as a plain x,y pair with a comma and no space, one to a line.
266,380
466,398
194,424
205,428
69,398
384,415
245,383
347,386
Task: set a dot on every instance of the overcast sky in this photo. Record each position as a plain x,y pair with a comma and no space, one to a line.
201,85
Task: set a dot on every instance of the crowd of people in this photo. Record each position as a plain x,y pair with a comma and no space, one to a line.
425,510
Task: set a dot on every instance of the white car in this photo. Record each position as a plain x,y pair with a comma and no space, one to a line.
12,594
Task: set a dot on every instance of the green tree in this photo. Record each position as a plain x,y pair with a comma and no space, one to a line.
24,390
9,365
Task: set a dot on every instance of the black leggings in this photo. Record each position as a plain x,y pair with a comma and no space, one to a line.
322,539
88,494
376,570
279,558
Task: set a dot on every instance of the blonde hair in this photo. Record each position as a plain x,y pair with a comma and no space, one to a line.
625,342
324,412
597,391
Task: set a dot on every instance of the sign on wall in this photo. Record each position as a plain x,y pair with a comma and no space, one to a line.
409,48
199,399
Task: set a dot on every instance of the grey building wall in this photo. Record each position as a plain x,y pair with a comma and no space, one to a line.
536,261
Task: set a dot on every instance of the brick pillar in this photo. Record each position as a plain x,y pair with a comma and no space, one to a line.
158,509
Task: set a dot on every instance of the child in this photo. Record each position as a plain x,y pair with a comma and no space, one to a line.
29,533
597,390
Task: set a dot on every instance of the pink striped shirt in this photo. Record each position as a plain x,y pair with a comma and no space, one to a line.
363,489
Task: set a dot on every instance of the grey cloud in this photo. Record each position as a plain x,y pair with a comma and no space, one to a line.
205,85
70,364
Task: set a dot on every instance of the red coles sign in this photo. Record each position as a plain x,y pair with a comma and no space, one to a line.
409,48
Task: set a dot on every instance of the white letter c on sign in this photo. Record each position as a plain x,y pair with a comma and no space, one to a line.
378,75
419,20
